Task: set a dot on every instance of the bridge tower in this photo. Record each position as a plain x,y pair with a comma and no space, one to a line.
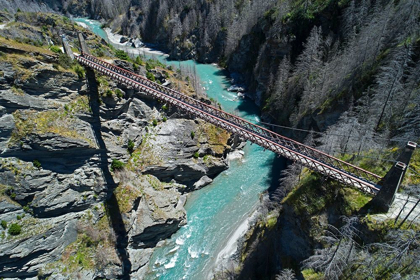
66,47
83,46
90,74
392,180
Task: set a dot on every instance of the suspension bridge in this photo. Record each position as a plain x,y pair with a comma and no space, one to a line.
309,157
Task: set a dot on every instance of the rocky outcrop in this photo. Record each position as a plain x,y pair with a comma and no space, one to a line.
42,242
179,150
153,211
57,143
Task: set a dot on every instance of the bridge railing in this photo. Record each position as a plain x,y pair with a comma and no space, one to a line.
243,124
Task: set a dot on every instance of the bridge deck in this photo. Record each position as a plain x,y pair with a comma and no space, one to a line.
313,159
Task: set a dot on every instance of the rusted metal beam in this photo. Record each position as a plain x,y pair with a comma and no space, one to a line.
291,149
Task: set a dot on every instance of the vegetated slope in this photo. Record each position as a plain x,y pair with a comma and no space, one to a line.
355,78
90,169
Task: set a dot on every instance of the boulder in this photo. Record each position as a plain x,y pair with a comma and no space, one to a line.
137,43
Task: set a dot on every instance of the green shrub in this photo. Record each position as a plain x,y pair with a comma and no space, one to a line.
196,155
116,165
122,55
192,134
109,93
64,61
119,93
80,71
155,122
139,60
130,146
36,163
164,119
150,76
26,209
4,224
99,52
149,66
55,49
14,229
18,217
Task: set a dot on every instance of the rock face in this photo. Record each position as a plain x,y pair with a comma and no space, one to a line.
57,143
174,154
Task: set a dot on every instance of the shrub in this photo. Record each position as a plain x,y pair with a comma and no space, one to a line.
164,119
4,224
150,76
99,52
55,49
130,146
18,217
119,93
14,229
64,61
80,71
122,55
109,93
36,163
149,66
192,134
26,209
165,107
116,165
139,60
154,122
196,155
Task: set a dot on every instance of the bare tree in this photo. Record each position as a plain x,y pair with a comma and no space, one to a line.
286,274
341,252
399,253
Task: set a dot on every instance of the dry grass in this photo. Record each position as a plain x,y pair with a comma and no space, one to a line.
126,194
217,137
60,122
20,47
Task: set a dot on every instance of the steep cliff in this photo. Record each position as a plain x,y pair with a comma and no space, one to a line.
92,174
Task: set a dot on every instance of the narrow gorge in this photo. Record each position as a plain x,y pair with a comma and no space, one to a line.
100,181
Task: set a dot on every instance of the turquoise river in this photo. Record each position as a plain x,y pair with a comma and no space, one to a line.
215,212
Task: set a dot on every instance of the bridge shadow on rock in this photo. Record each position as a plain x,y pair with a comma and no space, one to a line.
111,204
